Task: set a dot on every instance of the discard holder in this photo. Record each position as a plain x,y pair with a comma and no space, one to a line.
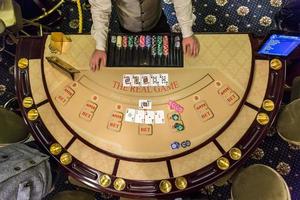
145,50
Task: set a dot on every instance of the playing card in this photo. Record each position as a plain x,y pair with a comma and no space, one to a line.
164,79
139,116
145,80
149,117
127,80
130,115
159,117
155,80
136,80
145,104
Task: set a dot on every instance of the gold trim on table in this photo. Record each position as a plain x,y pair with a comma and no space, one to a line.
181,183
223,163
276,64
23,63
55,149
66,158
165,186
268,105
27,102
119,184
262,118
104,180
32,114
235,153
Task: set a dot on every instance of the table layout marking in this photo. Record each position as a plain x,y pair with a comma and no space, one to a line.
170,168
92,85
42,103
218,145
116,166
70,142
88,110
250,105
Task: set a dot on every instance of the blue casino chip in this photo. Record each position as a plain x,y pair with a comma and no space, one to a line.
188,143
175,145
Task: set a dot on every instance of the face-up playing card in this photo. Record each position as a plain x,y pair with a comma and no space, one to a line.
149,117
136,80
164,79
159,117
130,115
155,80
145,80
127,80
145,104
139,116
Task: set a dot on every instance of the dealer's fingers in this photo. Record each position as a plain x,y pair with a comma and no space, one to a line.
103,61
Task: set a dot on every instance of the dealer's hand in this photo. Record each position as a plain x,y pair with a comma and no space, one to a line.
98,60
190,46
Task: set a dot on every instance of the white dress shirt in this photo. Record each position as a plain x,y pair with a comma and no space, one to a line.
136,16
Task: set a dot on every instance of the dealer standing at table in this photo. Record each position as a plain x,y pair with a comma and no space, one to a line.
139,16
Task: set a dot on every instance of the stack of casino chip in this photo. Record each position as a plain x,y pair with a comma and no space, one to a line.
136,41
165,45
142,41
119,41
125,41
143,53
177,51
148,41
130,44
159,45
113,39
124,50
154,46
130,41
118,50
145,50
177,42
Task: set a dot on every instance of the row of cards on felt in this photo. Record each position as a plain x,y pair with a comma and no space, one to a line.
145,116
145,80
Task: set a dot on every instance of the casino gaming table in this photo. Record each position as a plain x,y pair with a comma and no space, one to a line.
229,96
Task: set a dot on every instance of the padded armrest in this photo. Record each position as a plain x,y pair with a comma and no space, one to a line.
7,13
2,26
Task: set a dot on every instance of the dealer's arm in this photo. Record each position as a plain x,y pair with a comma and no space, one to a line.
101,12
185,17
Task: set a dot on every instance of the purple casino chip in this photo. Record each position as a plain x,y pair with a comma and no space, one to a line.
148,41
175,145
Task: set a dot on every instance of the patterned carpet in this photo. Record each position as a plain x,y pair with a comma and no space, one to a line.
255,16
